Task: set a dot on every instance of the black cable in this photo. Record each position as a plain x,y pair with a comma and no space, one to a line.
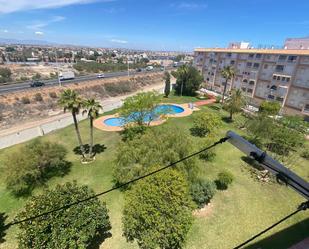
302,207
222,140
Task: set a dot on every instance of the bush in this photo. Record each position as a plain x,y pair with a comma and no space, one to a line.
38,97
218,99
270,108
25,100
205,123
225,178
158,211
208,155
131,132
79,226
115,89
33,164
202,191
305,154
53,95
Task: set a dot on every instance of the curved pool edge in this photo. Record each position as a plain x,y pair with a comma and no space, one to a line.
100,124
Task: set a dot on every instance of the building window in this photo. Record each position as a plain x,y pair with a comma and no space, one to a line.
258,56
256,65
243,89
249,64
232,62
229,54
268,57
283,78
274,77
282,57
273,87
265,66
271,96
292,58
288,79
278,77
251,56
250,90
245,81
279,68
279,99
251,82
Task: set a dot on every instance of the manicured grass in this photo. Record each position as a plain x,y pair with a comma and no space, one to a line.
247,207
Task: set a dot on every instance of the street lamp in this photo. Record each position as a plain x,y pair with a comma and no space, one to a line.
58,72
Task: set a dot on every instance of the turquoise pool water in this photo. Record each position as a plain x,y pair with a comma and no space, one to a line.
159,110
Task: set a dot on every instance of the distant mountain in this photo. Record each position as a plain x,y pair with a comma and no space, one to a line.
25,42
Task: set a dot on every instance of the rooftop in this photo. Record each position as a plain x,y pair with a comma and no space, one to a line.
256,51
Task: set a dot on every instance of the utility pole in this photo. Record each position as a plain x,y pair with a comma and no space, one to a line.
58,71
128,66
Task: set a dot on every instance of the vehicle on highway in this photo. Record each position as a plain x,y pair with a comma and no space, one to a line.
138,70
69,75
100,75
37,84
149,68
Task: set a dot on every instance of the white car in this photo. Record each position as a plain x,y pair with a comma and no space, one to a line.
100,75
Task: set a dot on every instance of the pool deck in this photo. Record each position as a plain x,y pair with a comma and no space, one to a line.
99,123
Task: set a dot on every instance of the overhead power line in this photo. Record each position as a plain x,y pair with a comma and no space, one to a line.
222,140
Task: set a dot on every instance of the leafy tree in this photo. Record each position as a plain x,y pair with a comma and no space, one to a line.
70,101
33,164
269,108
75,227
205,123
228,73
167,88
5,75
157,211
235,102
140,107
224,179
295,122
159,146
179,57
131,132
92,108
202,191
37,76
188,80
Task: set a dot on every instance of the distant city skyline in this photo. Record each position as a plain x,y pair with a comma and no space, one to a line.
154,24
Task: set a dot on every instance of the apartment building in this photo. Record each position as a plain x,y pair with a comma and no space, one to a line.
262,74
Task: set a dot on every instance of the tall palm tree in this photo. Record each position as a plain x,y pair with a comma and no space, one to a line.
228,73
92,108
236,101
70,101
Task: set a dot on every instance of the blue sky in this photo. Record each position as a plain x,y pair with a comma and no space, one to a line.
154,24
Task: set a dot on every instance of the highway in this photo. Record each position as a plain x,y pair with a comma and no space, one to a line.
14,87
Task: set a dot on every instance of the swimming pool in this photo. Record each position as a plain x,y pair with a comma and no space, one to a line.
158,111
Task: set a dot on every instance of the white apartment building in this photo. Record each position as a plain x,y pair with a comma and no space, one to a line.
262,74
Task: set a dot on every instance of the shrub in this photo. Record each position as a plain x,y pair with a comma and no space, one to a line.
53,95
224,179
33,164
208,155
76,227
131,132
25,100
158,211
38,97
202,191
305,154
205,123
270,108
218,99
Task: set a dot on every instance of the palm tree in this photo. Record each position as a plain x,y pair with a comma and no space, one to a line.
228,73
236,101
70,101
92,108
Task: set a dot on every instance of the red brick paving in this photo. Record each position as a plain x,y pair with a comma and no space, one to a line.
205,102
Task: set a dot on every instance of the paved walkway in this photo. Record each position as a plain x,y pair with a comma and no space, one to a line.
205,102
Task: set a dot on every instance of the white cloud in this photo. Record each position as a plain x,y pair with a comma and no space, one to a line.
118,41
42,24
5,31
189,5
39,33
9,6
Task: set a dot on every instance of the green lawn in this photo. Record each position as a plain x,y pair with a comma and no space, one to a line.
247,207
